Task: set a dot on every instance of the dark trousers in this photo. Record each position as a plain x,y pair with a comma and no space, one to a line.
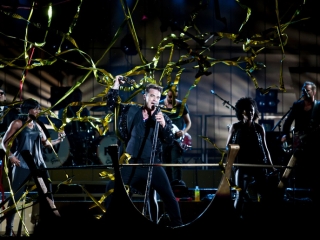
136,177
18,177
255,179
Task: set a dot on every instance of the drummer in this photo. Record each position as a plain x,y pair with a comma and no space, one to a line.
79,133
75,127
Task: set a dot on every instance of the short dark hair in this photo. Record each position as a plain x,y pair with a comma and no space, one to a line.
313,86
29,104
243,104
153,86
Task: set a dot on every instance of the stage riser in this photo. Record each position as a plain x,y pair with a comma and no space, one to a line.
203,178
71,209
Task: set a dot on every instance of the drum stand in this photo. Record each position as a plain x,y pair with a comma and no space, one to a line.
82,156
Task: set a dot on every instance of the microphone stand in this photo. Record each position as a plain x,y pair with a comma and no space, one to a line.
225,103
146,205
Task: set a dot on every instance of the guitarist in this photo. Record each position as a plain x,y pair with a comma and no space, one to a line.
305,114
181,118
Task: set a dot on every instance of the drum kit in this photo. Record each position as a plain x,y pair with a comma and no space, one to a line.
85,146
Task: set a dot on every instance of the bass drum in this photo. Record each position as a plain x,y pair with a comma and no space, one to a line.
101,147
62,150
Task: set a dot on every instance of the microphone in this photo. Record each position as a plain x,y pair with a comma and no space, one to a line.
156,107
305,93
212,92
127,80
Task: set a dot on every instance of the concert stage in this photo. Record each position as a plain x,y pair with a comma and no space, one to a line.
288,218
81,216
294,214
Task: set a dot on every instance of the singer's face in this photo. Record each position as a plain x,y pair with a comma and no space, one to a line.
152,98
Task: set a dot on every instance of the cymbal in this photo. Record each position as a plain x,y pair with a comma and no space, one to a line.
99,109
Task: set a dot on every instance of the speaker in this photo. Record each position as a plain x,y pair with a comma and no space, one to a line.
56,94
267,103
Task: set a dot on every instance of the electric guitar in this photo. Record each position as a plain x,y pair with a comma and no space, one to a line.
299,140
184,142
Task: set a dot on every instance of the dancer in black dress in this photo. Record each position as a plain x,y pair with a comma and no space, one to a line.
250,136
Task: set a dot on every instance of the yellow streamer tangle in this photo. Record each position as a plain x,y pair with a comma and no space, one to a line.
147,68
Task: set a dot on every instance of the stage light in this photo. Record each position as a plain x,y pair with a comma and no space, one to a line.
267,103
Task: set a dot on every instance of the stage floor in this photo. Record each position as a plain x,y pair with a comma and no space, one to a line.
290,216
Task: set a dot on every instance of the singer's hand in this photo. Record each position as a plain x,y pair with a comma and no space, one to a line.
160,119
118,81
